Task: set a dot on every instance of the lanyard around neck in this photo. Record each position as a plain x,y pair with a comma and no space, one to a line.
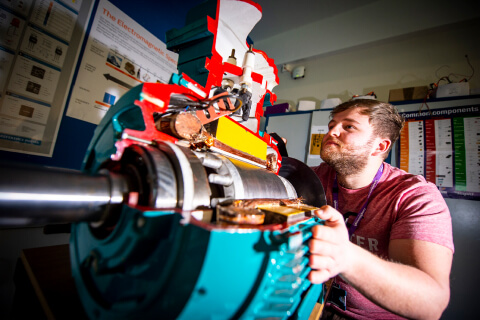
353,227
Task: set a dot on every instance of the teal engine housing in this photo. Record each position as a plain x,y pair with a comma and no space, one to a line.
162,252
168,270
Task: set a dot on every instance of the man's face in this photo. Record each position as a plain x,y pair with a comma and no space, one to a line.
349,142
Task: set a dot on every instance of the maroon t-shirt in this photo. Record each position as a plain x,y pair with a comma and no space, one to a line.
402,206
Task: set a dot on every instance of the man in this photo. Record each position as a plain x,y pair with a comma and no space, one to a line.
396,261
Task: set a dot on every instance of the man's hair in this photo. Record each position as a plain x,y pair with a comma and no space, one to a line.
384,117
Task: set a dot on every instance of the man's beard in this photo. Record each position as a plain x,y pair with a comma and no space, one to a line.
347,160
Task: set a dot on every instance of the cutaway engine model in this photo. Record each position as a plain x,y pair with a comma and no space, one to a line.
184,210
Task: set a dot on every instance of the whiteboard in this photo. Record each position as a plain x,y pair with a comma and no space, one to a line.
293,126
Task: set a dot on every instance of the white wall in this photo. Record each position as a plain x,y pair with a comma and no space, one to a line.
406,61
328,27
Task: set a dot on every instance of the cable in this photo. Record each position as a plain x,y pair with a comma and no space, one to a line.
473,69
181,101
222,96
465,77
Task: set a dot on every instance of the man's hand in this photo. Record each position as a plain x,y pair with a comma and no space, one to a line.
418,264
330,246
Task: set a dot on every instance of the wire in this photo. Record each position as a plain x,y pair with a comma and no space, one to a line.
181,101
473,69
426,104
157,115
462,75
226,95
465,77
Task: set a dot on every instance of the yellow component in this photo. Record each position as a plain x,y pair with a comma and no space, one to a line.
280,214
304,207
285,211
236,136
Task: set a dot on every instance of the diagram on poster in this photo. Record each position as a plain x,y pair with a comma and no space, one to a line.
412,158
11,27
467,154
442,144
54,17
45,47
119,55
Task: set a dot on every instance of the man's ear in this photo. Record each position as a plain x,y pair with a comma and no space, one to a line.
382,147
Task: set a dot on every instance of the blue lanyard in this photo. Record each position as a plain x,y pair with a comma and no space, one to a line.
356,222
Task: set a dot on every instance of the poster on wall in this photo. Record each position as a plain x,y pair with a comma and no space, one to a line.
119,55
316,137
443,145
37,36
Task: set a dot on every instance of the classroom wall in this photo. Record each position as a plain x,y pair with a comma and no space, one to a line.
406,61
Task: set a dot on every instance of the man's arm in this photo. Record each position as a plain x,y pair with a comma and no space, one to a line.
415,284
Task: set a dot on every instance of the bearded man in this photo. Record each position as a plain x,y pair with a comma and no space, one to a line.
387,243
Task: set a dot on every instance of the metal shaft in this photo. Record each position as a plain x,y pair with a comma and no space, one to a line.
39,195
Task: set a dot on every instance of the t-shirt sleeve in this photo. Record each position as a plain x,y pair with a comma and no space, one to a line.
422,214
